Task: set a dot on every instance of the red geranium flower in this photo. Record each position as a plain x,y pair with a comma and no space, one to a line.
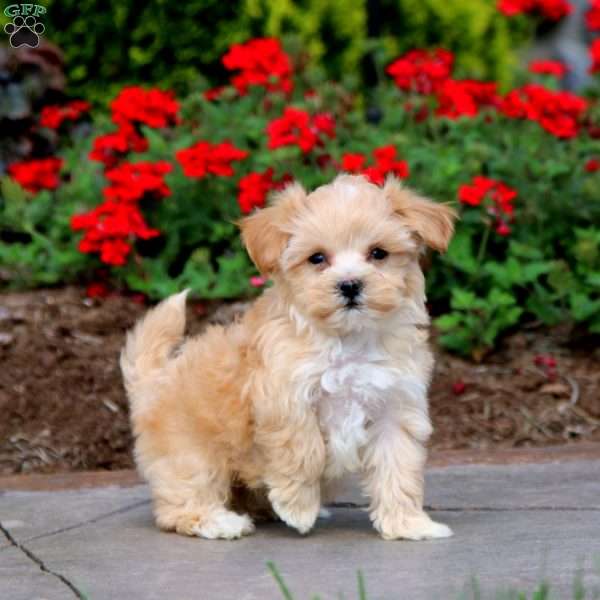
353,163
53,116
421,71
385,163
463,98
592,16
261,62
153,107
499,195
130,182
110,148
204,158
554,10
595,56
295,128
548,67
559,113
592,165
255,187
213,93
36,175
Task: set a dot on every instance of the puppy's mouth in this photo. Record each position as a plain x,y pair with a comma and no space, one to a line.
352,304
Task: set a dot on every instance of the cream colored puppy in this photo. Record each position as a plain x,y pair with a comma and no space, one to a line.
327,372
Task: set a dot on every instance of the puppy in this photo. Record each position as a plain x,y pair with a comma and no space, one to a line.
326,373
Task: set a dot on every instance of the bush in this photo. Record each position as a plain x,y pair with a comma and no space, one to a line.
175,42
154,210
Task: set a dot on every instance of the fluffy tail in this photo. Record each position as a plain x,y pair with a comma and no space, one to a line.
147,348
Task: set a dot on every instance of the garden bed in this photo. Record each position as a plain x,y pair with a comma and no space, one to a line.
64,409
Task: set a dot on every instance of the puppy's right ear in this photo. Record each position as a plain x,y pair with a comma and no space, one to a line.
265,233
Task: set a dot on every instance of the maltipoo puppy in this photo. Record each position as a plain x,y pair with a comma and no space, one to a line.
326,373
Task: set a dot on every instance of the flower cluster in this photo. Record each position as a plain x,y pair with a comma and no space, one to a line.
153,107
37,175
134,106
260,62
255,187
465,97
499,196
595,56
54,116
298,128
559,113
205,158
421,71
592,16
112,147
385,163
548,67
553,10
110,228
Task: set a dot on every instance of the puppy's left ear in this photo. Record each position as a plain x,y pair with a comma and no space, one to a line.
431,221
265,232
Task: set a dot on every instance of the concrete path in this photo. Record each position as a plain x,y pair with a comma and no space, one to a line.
515,525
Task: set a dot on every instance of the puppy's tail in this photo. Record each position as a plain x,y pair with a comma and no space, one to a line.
147,348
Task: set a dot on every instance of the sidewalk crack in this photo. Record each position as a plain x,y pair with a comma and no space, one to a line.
40,563
118,511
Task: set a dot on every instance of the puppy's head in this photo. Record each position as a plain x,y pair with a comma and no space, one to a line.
346,256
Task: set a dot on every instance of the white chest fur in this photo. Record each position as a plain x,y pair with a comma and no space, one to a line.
355,388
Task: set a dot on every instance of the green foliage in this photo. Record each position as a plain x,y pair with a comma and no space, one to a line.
547,270
108,43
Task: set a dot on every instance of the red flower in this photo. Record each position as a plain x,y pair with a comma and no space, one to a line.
255,187
213,93
592,16
261,62
592,165
385,162
130,182
554,10
36,175
500,198
459,387
296,127
595,56
204,158
559,113
152,107
353,163
53,116
548,67
459,98
421,71
109,229
110,148
97,289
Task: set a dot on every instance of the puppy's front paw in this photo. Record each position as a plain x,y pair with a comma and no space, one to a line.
299,511
417,527
223,524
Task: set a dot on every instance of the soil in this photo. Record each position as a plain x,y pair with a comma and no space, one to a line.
64,409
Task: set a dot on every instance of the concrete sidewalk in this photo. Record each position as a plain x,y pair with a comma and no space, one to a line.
514,525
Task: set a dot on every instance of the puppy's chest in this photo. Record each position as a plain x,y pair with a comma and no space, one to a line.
354,388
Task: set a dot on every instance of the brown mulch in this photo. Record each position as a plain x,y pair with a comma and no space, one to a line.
63,407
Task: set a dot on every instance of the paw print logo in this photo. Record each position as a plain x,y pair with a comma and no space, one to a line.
24,31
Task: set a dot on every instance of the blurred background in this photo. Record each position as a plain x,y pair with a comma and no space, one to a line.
133,136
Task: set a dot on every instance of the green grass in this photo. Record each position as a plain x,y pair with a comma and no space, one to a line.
542,591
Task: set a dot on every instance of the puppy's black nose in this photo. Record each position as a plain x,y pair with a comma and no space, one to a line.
350,288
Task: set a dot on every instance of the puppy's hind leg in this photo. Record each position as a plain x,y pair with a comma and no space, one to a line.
191,499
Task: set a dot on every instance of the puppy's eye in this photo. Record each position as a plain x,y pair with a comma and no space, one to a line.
378,253
317,258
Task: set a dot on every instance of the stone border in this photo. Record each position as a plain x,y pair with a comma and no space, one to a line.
128,477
